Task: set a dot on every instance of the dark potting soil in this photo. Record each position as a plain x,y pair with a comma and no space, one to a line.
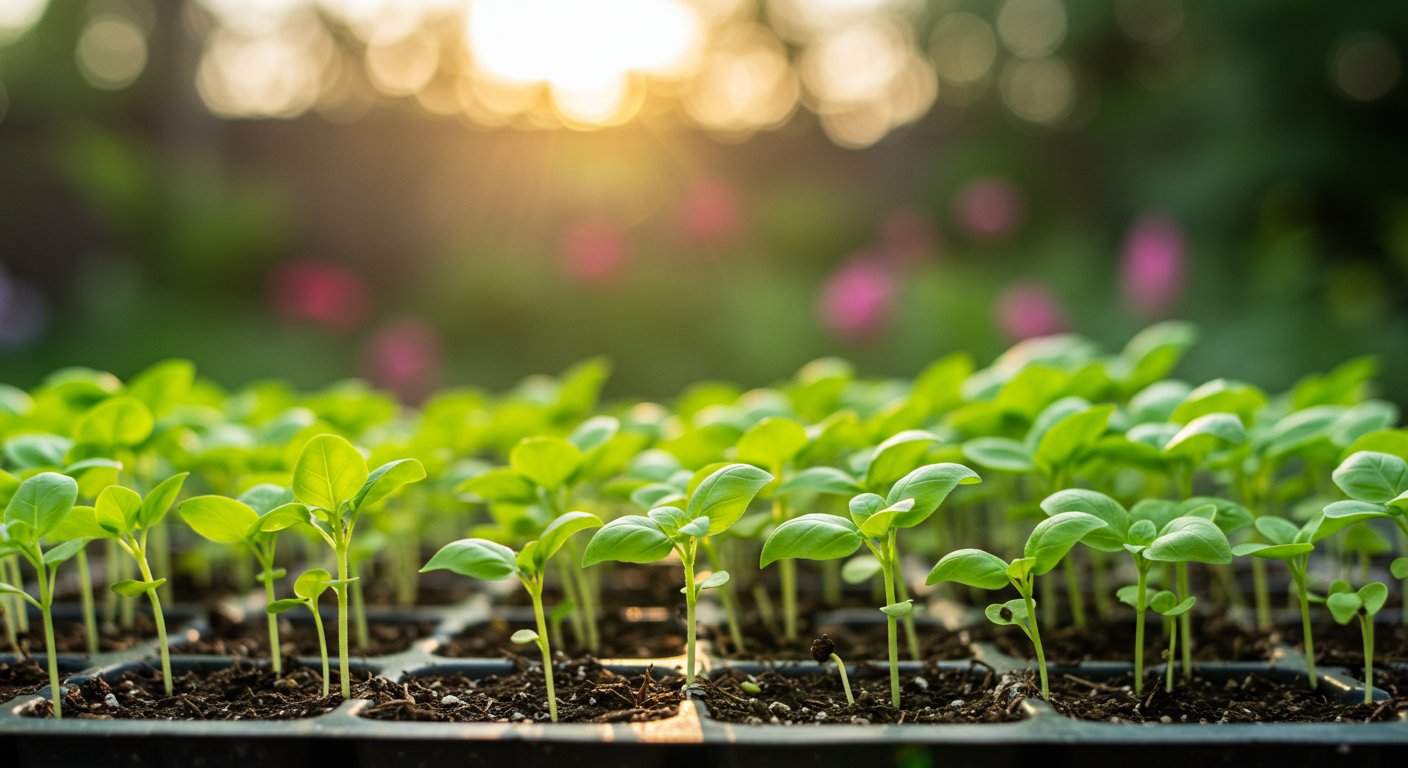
1250,699
238,692
620,639
586,693
1214,639
1393,680
249,638
71,637
933,696
18,678
853,641
1343,645
438,594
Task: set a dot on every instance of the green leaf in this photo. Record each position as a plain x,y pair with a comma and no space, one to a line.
1230,516
1392,441
1220,396
560,530
1190,540
1112,537
500,484
896,456
162,386
64,551
93,475
724,496
863,568
158,502
118,508
820,480
1160,512
80,523
1300,429
1373,595
475,558
311,584
670,519
266,497
1068,438
1053,538
1277,530
1129,595
1372,476
999,453
716,579
1282,552
772,442
1013,612
386,480
221,520
524,637
899,610
655,495
1344,606
1205,434
629,539
282,518
329,471
972,567
134,588
117,421
594,432
811,537
1181,608
37,451
1399,568
548,461
281,606
1154,351
928,486
697,528
42,502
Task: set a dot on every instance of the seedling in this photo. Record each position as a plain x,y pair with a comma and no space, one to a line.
1166,604
490,561
774,443
37,508
716,504
331,482
309,587
823,650
874,521
129,518
1346,604
237,522
1149,539
1046,547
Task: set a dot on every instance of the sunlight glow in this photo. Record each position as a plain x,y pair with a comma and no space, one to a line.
17,16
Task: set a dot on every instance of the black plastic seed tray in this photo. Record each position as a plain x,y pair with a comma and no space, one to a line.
691,737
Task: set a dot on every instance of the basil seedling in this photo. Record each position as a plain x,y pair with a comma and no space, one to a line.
490,561
1345,605
331,482
1166,604
39,505
1149,539
1046,547
237,522
716,504
874,521
309,586
823,650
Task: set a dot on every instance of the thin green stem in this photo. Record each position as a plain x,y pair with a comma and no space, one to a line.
342,621
845,681
158,619
911,634
1172,648
1366,624
359,608
891,630
1298,575
1185,624
1140,606
14,577
587,593
535,591
1073,593
727,596
569,593
46,597
85,597
110,565
275,656
322,648
1026,590
691,596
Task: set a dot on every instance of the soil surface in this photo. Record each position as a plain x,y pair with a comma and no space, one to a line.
586,693
620,639
20,678
71,637
853,642
1393,680
1250,699
934,696
249,638
382,594
1214,639
1342,645
238,692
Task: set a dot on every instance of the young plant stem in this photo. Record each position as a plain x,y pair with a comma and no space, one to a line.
535,591
275,656
1073,593
1366,625
726,595
1035,635
911,634
691,595
342,570
587,592
569,593
161,549
127,609
831,582
1185,624
20,613
10,634
845,681
46,606
1298,575
1140,606
766,611
1099,579
891,630
359,609
1172,648
322,647
788,576
85,597
110,571
1262,594
158,619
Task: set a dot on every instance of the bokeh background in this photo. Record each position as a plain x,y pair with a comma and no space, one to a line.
427,192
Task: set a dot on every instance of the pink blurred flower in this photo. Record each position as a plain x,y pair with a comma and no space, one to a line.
328,295
989,208
1152,264
1026,309
404,355
592,249
857,302
710,212
908,235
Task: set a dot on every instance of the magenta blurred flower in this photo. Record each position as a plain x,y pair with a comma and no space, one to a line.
710,212
908,235
404,356
1026,309
1153,264
592,249
857,302
328,295
989,208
